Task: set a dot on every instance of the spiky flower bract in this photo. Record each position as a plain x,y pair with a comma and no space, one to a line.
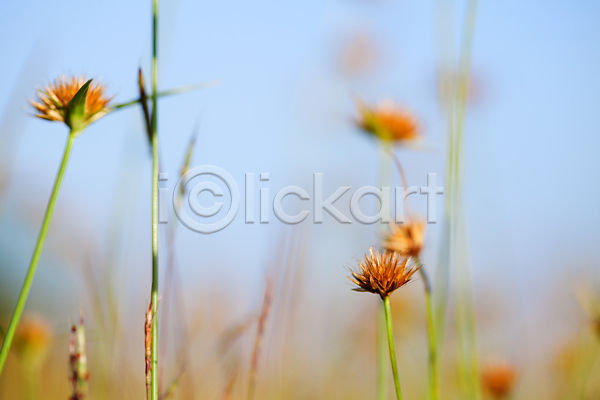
388,121
382,273
53,101
407,238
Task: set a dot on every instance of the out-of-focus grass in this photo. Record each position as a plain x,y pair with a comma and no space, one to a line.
218,343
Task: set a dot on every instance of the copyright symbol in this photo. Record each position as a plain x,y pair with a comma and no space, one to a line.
215,190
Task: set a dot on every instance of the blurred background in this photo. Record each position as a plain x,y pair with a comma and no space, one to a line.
285,77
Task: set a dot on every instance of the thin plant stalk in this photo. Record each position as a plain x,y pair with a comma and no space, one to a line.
454,264
30,376
390,337
260,331
382,367
154,136
431,339
172,278
10,333
465,302
431,333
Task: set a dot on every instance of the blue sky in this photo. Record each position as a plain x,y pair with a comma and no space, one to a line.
284,107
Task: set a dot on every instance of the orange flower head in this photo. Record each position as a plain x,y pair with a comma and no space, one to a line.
499,379
407,238
32,335
388,121
53,100
382,273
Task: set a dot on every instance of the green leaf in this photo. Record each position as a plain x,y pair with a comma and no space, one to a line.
76,109
179,90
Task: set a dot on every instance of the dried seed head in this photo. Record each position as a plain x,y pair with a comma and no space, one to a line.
388,121
382,273
407,238
53,100
148,345
78,372
499,379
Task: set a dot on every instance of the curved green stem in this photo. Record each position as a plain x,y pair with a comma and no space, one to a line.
10,333
154,136
390,336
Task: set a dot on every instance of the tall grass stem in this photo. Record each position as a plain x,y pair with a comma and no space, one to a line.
154,294
431,339
467,335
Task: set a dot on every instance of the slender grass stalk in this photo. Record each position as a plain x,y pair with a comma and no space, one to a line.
12,327
30,376
465,303
390,337
446,50
260,332
382,366
171,294
431,339
154,294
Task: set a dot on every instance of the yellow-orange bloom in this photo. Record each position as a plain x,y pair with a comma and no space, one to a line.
388,121
407,238
53,100
32,335
382,273
499,379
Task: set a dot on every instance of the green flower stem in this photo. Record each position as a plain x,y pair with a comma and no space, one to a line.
390,336
154,294
431,339
384,177
382,366
10,333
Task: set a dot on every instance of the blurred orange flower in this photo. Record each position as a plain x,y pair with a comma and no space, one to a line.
407,238
32,335
499,379
388,121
